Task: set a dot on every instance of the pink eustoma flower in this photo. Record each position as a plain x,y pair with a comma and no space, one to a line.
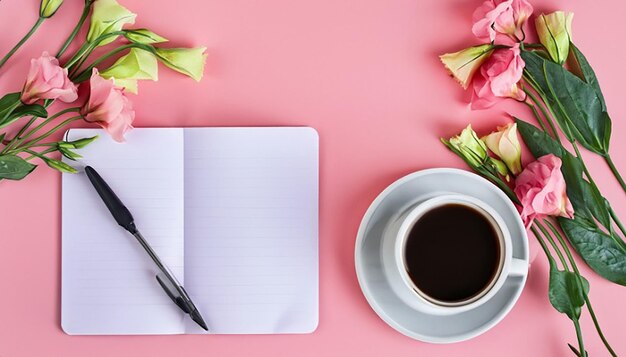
541,190
47,80
498,78
108,107
501,20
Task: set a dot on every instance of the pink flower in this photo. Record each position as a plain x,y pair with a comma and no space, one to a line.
541,190
501,17
108,107
498,78
47,80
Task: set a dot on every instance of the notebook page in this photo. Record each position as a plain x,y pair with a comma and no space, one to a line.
251,228
108,280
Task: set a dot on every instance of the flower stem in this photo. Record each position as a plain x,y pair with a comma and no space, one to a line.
616,173
50,132
38,154
570,257
545,114
579,336
22,41
552,243
73,34
616,220
19,140
536,113
85,50
543,244
16,137
87,71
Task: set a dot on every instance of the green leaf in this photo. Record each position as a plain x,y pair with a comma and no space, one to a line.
14,167
580,67
59,165
597,248
585,198
574,350
8,103
8,100
577,107
2,137
567,292
23,110
34,109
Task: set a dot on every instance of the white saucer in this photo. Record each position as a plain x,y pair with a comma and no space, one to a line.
408,191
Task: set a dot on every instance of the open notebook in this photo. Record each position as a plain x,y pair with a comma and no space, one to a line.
232,211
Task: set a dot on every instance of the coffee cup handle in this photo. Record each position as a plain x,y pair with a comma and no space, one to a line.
518,267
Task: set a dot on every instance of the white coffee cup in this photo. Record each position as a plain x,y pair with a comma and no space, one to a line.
393,257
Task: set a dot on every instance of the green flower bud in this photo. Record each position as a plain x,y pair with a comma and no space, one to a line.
59,165
49,7
469,146
555,34
77,144
188,61
69,153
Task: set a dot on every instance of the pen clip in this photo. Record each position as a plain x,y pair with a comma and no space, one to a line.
173,294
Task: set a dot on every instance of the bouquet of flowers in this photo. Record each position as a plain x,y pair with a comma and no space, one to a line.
557,196
51,78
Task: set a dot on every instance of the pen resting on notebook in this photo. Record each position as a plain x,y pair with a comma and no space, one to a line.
125,219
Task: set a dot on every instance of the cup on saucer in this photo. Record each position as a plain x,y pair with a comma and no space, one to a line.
448,254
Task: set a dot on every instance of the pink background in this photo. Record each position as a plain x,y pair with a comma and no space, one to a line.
365,74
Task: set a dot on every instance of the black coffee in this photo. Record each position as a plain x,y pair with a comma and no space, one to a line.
452,253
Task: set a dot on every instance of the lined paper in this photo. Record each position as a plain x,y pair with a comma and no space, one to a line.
232,211
251,228
109,284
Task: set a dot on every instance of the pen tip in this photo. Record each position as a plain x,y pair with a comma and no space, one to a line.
195,316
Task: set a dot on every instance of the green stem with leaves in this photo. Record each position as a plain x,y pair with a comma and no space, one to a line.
40,20
572,262
615,218
537,224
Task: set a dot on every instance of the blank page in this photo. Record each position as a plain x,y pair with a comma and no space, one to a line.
251,228
108,280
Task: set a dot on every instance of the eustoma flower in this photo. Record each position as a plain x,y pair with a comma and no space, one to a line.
47,80
498,78
188,61
541,190
505,144
108,107
501,17
463,64
108,16
137,64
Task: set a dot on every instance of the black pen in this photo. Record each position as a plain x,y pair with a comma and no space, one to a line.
124,218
